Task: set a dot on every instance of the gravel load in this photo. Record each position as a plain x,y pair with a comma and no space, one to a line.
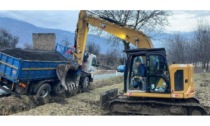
34,54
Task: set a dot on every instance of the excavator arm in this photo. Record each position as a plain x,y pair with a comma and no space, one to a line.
137,38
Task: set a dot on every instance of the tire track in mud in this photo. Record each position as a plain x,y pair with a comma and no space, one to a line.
82,104
88,103
12,104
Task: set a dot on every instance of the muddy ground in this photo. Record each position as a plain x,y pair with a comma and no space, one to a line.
11,104
88,103
202,86
34,55
82,104
104,71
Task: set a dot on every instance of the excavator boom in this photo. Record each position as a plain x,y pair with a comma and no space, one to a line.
137,38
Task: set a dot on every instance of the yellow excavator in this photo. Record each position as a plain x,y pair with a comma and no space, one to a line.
151,86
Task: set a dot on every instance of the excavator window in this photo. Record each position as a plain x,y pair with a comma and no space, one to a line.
157,64
138,74
149,74
157,73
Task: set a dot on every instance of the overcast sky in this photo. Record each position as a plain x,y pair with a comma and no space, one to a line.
183,21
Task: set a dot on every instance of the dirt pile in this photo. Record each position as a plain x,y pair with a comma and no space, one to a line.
34,55
81,104
88,103
11,104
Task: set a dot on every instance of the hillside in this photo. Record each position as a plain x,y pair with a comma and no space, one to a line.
24,31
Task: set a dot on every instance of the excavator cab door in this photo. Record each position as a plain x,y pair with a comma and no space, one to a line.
157,73
155,77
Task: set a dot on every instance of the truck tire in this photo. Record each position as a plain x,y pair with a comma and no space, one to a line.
44,90
58,89
85,84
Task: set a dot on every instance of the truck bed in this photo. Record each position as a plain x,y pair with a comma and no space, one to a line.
27,65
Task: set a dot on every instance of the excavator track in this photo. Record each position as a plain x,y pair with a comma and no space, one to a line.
146,106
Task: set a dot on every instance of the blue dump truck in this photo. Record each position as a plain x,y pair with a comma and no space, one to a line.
33,72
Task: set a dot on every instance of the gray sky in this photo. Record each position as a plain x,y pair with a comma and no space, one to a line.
66,20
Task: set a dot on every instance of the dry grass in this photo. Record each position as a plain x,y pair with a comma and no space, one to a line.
81,104
10,105
88,103
103,71
202,86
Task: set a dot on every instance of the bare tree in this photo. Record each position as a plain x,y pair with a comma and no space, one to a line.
111,58
7,40
176,47
93,48
122,58
202,42
147,21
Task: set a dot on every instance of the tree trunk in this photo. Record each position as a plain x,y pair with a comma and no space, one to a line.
126,45
195,64
207,65
204,66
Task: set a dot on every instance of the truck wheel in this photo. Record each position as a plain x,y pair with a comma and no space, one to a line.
44,90
85,84
58,89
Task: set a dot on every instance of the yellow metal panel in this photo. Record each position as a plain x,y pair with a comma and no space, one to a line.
188,91
38,68
137,38
81,36
152,95
122,32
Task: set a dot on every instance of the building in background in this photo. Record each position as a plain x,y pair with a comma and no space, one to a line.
44,41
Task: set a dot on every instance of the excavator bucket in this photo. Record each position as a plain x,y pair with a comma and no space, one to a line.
108,96
66,74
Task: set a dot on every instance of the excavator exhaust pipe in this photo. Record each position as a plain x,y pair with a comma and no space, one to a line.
108,96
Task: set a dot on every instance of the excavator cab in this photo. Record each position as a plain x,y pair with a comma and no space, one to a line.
152,87
147,71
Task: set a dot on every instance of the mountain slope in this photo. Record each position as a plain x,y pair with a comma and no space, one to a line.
24,31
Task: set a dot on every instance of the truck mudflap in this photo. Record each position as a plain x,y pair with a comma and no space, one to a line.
108,96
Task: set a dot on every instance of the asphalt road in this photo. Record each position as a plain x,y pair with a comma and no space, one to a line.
105,76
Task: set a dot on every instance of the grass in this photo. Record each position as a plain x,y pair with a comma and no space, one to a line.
81,104
88,103
202,87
